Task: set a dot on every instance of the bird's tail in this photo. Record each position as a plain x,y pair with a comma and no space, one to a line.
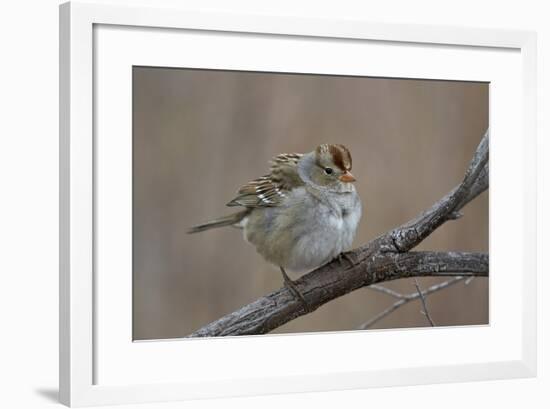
230,220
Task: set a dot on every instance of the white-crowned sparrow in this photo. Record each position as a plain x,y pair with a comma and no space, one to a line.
301,215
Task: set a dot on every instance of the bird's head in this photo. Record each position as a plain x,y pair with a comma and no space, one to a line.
327,166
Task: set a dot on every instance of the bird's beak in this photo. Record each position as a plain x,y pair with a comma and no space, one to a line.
347,177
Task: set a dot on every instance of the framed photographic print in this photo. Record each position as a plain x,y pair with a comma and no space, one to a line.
260,204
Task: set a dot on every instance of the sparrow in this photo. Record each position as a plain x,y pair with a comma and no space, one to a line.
302,214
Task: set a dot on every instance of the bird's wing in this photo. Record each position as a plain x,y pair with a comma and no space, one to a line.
270,190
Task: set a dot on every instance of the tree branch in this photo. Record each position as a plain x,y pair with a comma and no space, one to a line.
385,258
330,282
476,180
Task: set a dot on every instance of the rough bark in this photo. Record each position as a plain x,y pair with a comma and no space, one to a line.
388,257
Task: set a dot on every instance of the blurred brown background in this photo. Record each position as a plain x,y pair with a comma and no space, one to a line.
200,134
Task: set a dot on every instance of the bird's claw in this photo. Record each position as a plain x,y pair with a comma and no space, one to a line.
297,294
344,255
294,290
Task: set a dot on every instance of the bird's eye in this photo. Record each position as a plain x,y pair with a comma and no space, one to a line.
328,171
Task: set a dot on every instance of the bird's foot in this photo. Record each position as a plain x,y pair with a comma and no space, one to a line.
345,256
294,290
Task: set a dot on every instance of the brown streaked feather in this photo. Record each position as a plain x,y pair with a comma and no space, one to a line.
340,156
270,190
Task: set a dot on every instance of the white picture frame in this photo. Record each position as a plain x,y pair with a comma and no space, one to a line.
82,345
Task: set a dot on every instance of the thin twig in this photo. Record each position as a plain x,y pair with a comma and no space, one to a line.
385,290
424,304
408,298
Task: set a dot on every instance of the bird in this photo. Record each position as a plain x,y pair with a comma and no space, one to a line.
302,214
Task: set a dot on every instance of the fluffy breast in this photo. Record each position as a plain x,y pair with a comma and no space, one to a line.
304,232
